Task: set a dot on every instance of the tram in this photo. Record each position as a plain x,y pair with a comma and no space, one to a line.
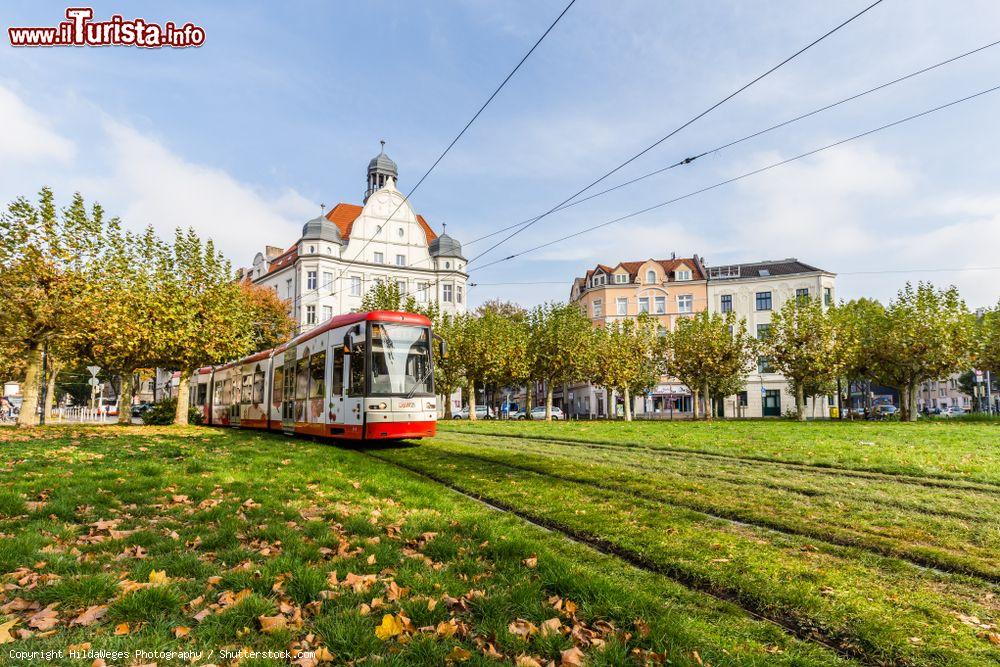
361,376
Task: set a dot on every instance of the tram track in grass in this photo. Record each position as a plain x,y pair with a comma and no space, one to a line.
607,548
877,609
738,477
937,564
935,481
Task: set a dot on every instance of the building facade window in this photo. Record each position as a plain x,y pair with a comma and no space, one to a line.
400,260
458,294
763,301
422,292
310,314
685,303
683,274
828,296
621,279
379,258
621,305
328,280
644,304
355,285
598,308
802,293
660,305
762,331
401,286
597,281
651,276
289,290
327,312
446,293
726,303
310,280
763,365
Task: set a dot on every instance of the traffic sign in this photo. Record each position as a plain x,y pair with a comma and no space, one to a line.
94,370
94,382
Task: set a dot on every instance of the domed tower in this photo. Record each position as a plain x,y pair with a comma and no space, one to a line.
380,169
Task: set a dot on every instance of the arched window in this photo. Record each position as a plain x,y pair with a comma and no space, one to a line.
651,276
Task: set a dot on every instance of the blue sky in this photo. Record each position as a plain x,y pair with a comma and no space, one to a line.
284,105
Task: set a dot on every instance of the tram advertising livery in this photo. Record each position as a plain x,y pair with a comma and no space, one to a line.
362,376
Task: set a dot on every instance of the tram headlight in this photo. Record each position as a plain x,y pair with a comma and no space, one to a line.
377,406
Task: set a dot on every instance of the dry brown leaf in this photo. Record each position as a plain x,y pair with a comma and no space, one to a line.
531,561
5,628
122,629
526,661
271,624
459,654
46,619
91,615
572,657
181,631
551,626
522,628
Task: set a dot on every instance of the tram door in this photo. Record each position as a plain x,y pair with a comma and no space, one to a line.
337,375
288,393
236,394
354,403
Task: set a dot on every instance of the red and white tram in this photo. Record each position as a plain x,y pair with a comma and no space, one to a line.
362,376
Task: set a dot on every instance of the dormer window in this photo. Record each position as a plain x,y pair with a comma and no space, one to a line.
682,274
598,280
621,278
650,277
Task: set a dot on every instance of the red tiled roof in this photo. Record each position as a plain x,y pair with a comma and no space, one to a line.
343,215
284,259
668,265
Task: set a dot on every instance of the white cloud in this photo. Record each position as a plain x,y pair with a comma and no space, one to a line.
138,178
26,136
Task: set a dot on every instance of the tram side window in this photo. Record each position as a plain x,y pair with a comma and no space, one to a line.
224,392
337,381
247,388
217,393
202,393
278,386
302,378
317,375
357,386
258,387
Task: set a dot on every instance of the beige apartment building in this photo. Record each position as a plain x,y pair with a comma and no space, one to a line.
678,287
666,289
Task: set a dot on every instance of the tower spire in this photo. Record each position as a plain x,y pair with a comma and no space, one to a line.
380,169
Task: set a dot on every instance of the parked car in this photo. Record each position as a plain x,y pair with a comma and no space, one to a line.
883,411
951,411
139,409
482,412
538,412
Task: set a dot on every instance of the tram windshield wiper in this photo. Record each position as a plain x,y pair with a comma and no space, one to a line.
420,382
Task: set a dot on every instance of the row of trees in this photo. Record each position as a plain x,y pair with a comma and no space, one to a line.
80,289
923,334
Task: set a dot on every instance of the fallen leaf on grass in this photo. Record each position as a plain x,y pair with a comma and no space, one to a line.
551,626
122,629
446,629
271,624
531,561
46,619
526,661
389,628
572,657
157,577
181,631
993,638
91,615
5,635
360,583
522,628
459,654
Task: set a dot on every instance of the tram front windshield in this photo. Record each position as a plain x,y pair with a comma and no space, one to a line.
401,360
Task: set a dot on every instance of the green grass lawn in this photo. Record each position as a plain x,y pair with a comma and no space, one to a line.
212,542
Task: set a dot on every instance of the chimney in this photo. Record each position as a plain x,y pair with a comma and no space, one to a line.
270,252
673,255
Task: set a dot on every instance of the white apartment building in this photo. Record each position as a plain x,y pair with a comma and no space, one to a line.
347,250
754,291
941,394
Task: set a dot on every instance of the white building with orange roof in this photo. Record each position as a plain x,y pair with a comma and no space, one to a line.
350,248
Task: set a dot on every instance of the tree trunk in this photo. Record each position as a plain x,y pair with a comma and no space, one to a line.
50,392
125,398
32,379
912,397
695,398
548,401
183,403
472,401
627,394
708,402
447,405
800,401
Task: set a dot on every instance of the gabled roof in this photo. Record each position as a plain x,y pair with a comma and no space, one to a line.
343,215
668,266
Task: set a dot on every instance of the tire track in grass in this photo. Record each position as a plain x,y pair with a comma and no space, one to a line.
934,481
787,624
735,517
732,477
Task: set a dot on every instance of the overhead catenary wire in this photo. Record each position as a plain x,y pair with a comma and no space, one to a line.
679,128
460,134
748,174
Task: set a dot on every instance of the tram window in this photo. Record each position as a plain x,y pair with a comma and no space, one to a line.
217,393
224,392
302,378
317,375
202,393
400,360
258,387
357,386
337,381
247,389
278,386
